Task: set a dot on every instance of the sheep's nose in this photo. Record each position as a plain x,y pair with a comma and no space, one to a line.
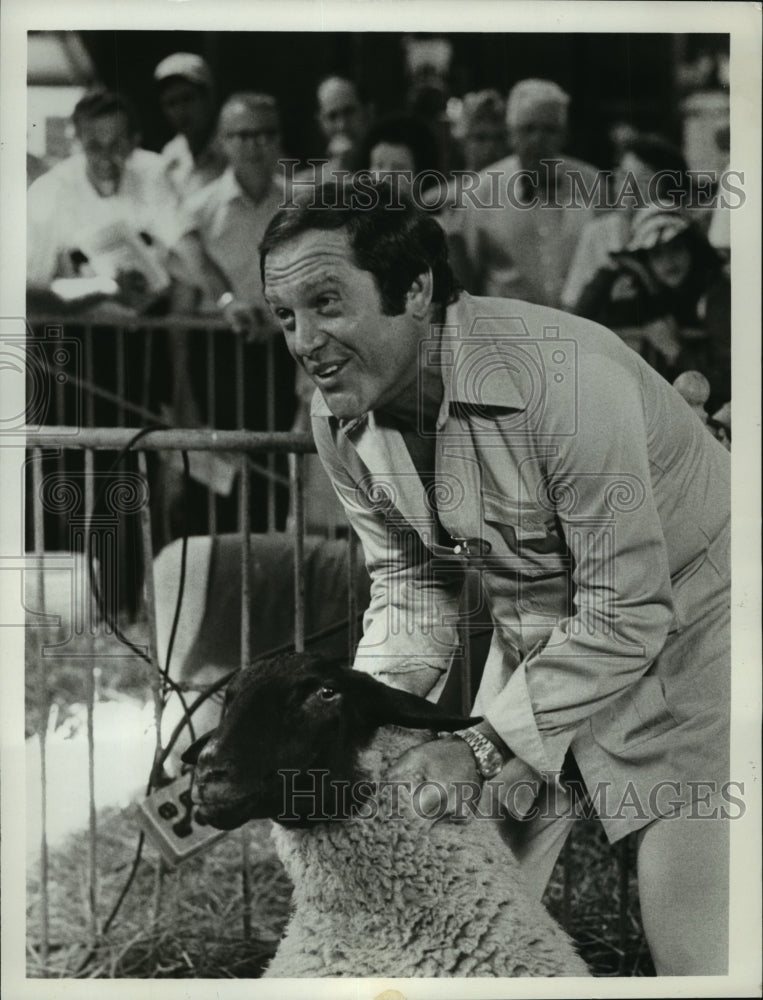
209,768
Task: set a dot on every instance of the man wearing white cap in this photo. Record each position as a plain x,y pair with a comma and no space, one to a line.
186,95
522,224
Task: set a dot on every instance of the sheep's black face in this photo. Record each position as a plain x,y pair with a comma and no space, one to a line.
288,740
283,724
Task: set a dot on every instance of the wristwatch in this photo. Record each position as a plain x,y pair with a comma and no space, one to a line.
489,758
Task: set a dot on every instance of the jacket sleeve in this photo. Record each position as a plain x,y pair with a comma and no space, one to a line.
599,485
411,619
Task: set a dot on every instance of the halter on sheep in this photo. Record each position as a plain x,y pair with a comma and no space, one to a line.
377,891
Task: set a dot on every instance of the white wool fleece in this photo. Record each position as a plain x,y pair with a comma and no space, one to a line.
404,897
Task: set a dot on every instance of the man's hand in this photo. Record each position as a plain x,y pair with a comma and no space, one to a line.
237,314
248,321
447,770
416,678
517,786
662,334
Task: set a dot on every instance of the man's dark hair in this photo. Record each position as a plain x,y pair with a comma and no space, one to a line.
659,154
100,102
403,130
390,237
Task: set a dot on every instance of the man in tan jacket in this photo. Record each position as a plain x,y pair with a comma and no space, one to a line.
535,448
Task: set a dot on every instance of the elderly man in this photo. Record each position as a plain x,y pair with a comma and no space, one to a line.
535,448
228,217
211,261
522,222
107,210
193,156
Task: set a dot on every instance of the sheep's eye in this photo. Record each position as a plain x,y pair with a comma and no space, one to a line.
328,693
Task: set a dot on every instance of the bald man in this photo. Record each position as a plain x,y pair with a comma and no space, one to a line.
342,118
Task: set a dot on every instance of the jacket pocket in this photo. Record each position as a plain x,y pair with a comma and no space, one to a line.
638,715
530,534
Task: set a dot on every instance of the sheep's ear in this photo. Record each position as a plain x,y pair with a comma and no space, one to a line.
386,705
191,754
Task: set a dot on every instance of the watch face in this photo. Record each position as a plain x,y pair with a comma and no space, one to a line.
493,769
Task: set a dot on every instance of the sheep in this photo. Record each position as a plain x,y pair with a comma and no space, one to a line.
378,891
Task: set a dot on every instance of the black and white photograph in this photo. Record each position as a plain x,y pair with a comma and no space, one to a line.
380,570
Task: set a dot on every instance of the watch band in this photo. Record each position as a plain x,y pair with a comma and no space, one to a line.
489,758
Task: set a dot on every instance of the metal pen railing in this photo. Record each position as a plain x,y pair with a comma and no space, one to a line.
89,441
104,372
87,543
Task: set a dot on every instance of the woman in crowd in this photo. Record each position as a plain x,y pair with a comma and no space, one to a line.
649,170
405,146
668,290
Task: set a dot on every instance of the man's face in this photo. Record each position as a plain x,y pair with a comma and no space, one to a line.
187,107
538,133
250,139
339,110
331,315
107,143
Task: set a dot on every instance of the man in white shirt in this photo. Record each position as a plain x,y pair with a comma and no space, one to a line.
521,230
221,228
223,223
109,191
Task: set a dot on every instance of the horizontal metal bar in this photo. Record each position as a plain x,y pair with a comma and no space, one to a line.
186,439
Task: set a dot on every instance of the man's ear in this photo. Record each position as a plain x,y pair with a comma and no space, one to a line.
419,295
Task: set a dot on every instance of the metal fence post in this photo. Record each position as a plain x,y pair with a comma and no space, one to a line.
90,701
297,492
42,681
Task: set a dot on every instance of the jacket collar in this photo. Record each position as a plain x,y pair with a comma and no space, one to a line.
470,341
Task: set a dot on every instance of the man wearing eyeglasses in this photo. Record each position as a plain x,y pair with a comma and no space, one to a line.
221,227
107,210
226,219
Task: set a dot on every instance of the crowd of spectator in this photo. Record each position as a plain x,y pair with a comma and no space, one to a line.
118,231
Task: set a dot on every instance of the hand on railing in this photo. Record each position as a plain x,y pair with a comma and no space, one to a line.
249,321
237,314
